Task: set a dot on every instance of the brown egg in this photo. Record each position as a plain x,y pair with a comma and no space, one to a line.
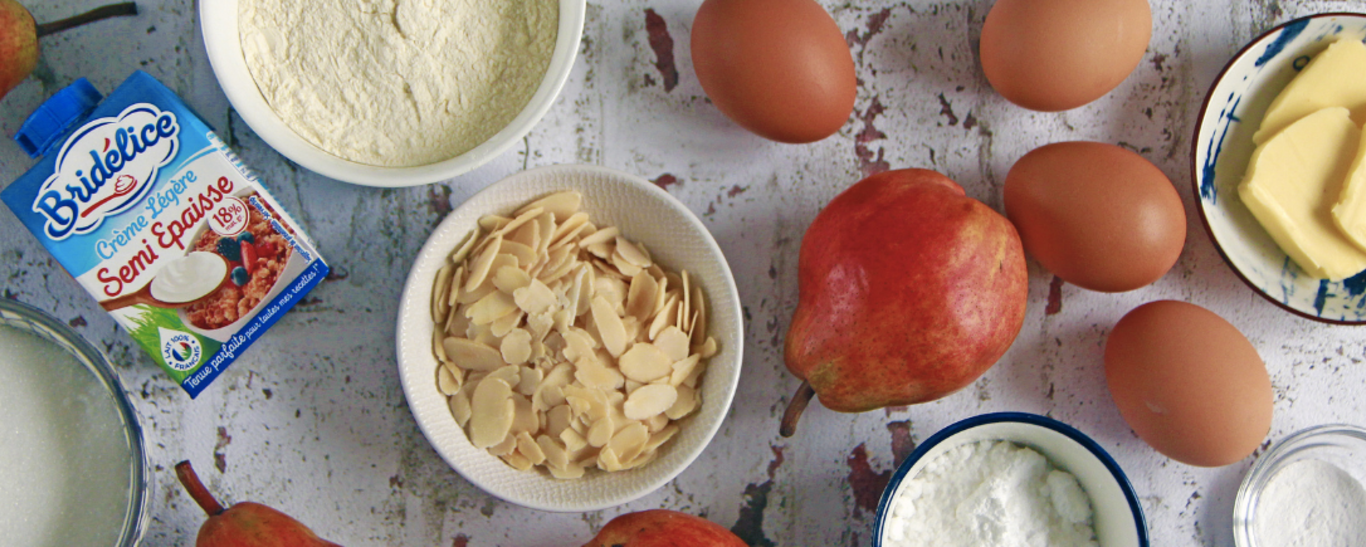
1096,215
1055,55
779,68
1188,383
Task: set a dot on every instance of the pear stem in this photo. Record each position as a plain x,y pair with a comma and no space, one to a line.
105,12
196,489
795,408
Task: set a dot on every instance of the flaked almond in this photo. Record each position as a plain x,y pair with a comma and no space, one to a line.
684,403
525,255
523,216
529,448
609,325
534,298
491,307
480,269
683,369
462,251
447,381
470,355
649,401
640,297
629,440
674,342
493,222
645,362
491,413
516,347
632,253
460,408
503,325
563,204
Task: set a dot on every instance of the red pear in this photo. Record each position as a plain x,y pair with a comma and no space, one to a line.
246,524
909,290
663,528
19,37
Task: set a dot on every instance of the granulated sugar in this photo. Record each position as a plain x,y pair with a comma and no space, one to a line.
990,493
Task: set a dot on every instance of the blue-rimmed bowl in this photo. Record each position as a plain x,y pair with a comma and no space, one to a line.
1118,517
1232,112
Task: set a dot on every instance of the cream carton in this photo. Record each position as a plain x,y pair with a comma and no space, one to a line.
143,204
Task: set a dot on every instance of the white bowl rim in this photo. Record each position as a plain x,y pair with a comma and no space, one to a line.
407,302
225,57
1196,146
902,470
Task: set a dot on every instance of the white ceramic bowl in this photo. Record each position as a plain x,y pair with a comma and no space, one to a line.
218,21
1223,144
1118,517
676,239
1341,445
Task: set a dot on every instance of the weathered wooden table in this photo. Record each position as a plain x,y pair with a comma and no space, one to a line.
312,420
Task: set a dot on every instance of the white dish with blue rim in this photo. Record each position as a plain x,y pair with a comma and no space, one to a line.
1118,517
1223,144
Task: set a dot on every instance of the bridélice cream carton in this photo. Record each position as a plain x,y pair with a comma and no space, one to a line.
154,216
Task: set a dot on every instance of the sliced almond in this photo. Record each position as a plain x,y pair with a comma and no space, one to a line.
527,234
659,438
457,280
491,413
609,325
684,403
438,346
632,254
523,254
529,448
629,441
603,235
516,347
683,369
640,297
503,325
480,269
645,362
470,355
540,324
600,432
569,228
699,325
530,381
524,417
516,460
547,226
493,222
557,420
591,373
649,401
440,291
563,204
627,268
504,447
491,307
446,381
568,472
460,408
601,249
524,215
456,322
673,342
707,349
555,454
664,318
608,460
462,251
534,298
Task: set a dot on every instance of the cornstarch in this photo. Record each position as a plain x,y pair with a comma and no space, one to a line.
1311,503
397,82
990,493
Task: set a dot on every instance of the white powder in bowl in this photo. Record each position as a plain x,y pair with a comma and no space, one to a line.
990,493
1311,503
397,82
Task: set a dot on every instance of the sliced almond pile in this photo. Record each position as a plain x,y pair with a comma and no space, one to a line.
563,344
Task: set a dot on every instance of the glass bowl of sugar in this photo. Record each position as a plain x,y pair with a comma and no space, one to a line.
72,467
1306,490
995,478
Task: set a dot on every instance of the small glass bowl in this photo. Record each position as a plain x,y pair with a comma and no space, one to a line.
1341,445
29,319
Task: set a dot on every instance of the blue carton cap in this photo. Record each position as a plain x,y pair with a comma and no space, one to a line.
44,128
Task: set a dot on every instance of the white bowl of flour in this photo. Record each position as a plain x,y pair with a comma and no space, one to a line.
421,94
1013,479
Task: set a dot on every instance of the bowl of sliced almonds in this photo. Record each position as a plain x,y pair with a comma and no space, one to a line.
570,338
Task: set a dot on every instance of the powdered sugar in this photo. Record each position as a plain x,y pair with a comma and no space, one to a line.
990,493
1311,503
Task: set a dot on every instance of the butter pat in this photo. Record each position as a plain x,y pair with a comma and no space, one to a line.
1333,78
1350,212
1292,183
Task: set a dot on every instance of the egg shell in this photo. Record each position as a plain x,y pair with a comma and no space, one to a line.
1188,383
1053,55
779,68
1096,215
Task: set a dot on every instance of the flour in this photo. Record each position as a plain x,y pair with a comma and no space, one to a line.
397,82
1311,503
990,493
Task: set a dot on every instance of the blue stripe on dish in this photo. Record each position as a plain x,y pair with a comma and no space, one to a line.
1140,523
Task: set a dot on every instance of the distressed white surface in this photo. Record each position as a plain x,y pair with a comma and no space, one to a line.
312,421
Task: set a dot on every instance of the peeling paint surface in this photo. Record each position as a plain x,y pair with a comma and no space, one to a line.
312,419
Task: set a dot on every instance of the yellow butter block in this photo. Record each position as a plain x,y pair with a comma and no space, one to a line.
1292,184
1335,77
1350,211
